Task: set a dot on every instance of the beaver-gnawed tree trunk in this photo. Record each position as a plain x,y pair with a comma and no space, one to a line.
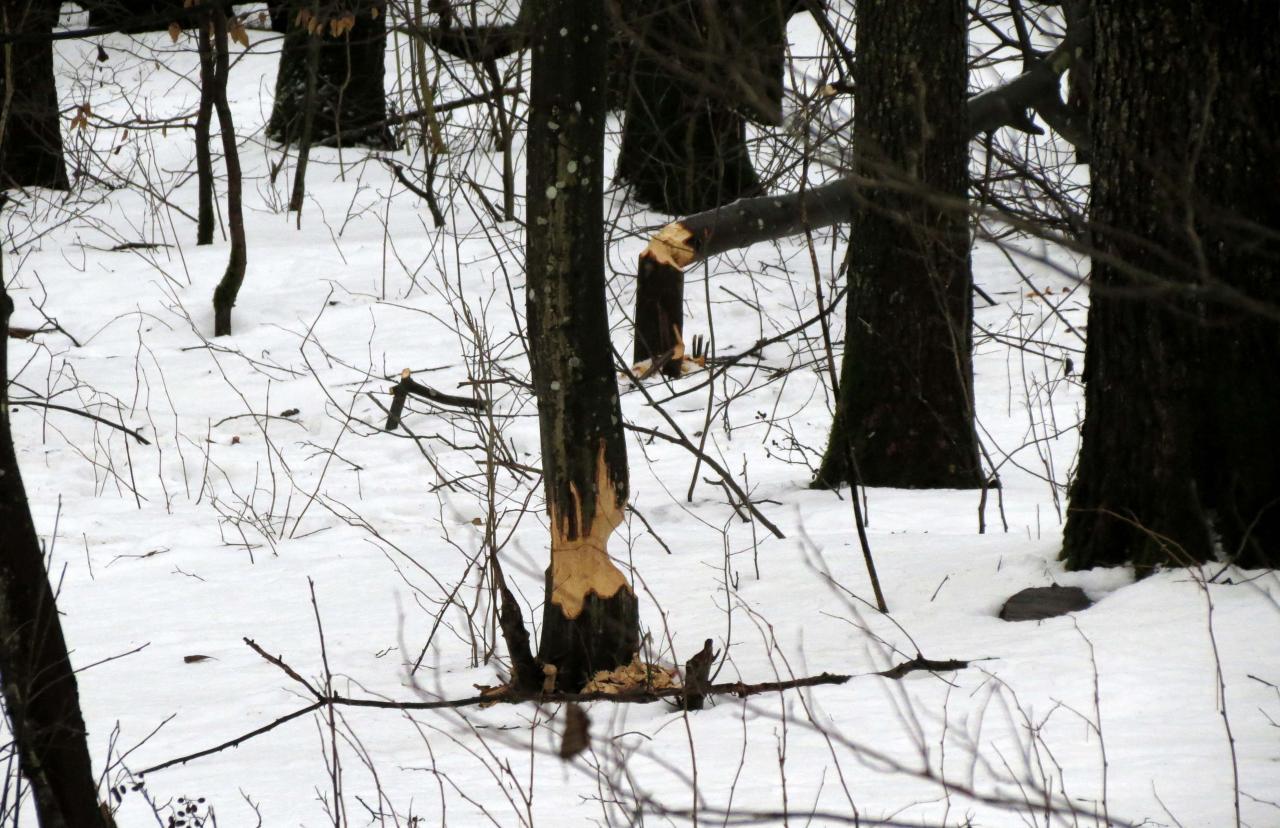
590,619
904,411
1180,454
39,687
30,127
350,91
691,72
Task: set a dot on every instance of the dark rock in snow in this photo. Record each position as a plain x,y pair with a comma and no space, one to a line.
1036,603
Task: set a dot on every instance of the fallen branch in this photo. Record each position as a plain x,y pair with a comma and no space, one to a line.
922,663
407,385
506,696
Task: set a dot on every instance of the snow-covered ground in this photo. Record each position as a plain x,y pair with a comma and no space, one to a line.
1158,704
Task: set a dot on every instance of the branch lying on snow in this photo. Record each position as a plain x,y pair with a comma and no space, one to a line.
735,688
407,385
659,312
921,663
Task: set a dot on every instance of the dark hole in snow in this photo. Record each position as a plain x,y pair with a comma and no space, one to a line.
1036,603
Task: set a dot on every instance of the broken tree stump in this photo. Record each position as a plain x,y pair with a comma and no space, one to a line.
697,676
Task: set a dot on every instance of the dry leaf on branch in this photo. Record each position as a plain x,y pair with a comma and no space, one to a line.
576,735
236,31
81,119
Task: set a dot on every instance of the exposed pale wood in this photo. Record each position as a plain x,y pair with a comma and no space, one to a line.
580,564
672,246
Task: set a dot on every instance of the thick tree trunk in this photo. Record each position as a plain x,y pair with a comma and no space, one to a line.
350,91
39,687
692,70
30,127
590,619
904,412
1180,455
135,16
224,296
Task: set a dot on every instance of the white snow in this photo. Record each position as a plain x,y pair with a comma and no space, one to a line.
215,532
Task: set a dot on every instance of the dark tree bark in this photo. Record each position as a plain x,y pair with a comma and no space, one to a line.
39,686
590,618
30,127
224,296
135,16
691,71
204,159
350,91
904,410
1180,455
307,131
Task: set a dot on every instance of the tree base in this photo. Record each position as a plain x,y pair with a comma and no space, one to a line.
603,636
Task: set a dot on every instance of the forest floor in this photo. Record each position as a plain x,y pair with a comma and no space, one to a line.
267,471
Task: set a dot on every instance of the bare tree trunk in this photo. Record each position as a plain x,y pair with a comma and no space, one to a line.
204,160
692,72
349,88
308,126
590,618
224,296
30,126
1180,455
135,16
904,412
39,686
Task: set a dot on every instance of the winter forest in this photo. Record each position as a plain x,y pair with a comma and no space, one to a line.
682,413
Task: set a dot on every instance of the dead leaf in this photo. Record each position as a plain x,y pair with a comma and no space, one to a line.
237,32
175,31
195,659
576,735
81,118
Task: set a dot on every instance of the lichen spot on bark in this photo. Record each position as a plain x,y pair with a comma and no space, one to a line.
672,246
580,562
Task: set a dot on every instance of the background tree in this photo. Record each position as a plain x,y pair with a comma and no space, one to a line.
30,127
38,683
691,72
224,295
134,16
590,617
1180,458
904,409
338,52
